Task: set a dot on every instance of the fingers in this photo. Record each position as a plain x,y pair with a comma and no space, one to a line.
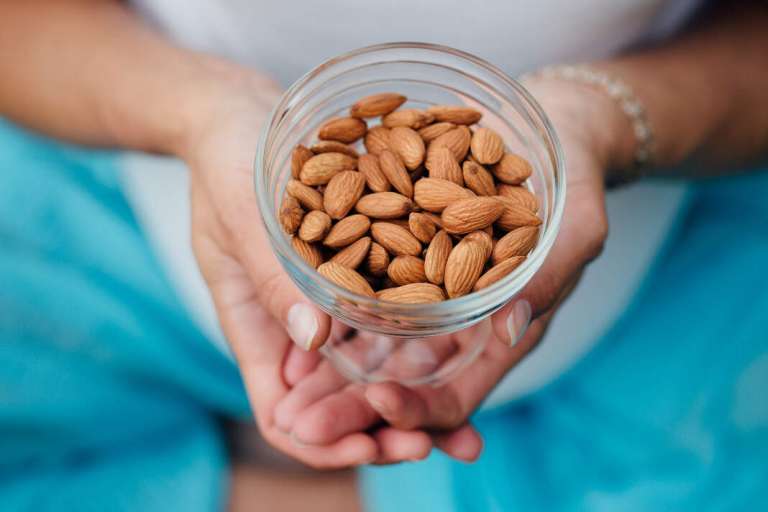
313,388
334,416
299,364
407,408
463,443
401,445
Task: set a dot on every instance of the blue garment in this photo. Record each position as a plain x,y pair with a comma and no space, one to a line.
108,393
670,412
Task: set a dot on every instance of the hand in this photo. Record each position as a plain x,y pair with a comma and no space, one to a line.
257,304
322,408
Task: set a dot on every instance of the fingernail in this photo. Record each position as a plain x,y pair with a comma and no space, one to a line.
518,320
302,325
297,442
380,406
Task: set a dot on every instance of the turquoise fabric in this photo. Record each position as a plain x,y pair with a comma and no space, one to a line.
670,412
109,395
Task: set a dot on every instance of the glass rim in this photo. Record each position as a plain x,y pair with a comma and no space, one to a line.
515,280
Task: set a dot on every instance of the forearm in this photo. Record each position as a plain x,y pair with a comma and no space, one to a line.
706,94
89,71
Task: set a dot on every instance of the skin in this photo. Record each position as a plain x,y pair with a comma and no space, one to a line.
77,79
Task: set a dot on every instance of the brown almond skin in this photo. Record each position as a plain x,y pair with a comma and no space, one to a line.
434,194
487,146
478,179
394,169
376,140
414,293
497,272
290,214
347,230
333,146
342,193
353,255
395,239
457,140
319,169
368,165
517,242
515,215
433,131
346,278
437,256
378,260
406,270
299,157
315,226
307,196
455,114
442,164
410,117
512,169
422,227
471,214
408,145
484,239
309,252
384,205
463,269
377,104
342,129
519,194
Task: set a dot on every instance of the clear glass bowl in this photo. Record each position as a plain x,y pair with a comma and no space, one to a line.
411,344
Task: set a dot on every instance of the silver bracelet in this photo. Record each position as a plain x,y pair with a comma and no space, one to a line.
629,103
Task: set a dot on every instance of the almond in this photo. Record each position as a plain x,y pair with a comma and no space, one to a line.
299,157
342,193
515,215
441,163
308,252
319,169
434,218
342,129
354,254
394,169
455,114
315,226
406,270
414,293
376,140
384,205
512,169
347,230
464,266
368,165
408,145
346,278
308,197
437,256
487,146
421,226
433,131
332,146
471,214
434,194
478,179
290,214
377,104
395,239
520,195
378,260
410,117
498,271
517,242
457,140
484,239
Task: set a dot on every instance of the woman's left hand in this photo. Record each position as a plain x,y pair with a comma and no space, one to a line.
322,408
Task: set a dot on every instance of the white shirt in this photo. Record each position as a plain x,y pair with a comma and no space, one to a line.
287,39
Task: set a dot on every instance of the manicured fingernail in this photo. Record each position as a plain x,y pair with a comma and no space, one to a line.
302,325
518,320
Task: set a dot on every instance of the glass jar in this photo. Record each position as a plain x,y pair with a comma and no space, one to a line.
413,344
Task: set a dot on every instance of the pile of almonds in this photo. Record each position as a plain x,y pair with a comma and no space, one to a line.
434,209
